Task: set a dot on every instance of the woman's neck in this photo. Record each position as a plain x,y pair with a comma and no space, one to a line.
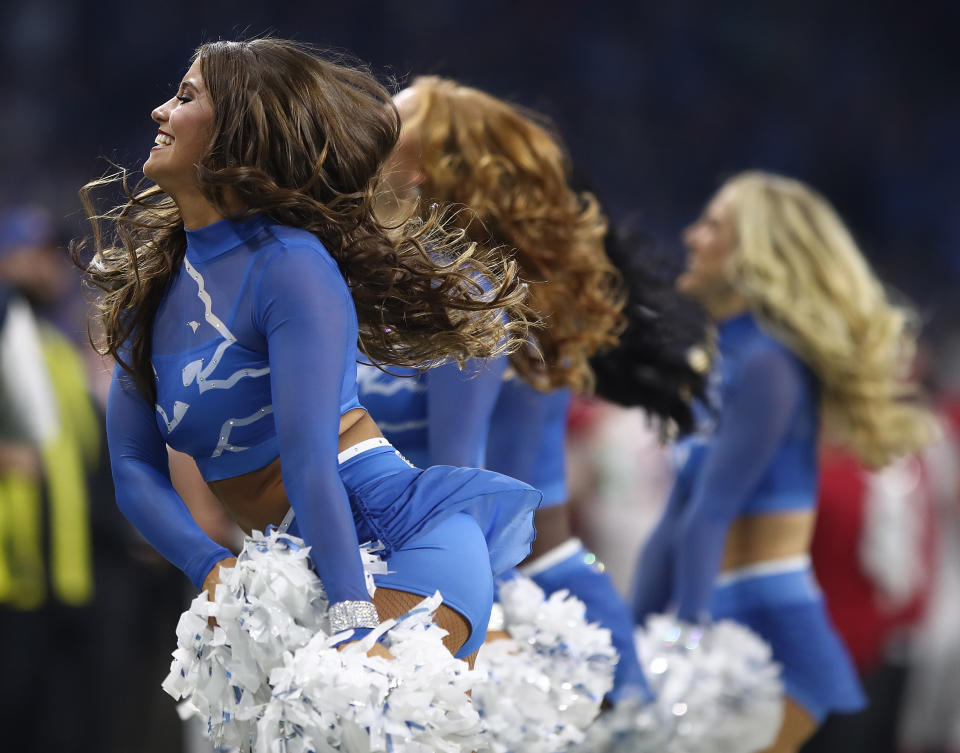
721,308
196,217
196,212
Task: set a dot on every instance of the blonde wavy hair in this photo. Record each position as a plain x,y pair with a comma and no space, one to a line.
805,279
502,163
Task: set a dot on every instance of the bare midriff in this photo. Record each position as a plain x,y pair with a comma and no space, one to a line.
753,539
257,499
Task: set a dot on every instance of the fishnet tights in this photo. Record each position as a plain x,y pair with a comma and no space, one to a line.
391,604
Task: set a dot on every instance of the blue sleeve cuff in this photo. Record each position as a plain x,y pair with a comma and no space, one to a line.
198,573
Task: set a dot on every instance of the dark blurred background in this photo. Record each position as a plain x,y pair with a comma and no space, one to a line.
658,103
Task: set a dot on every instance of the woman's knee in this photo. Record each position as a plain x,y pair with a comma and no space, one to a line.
795,729
392,604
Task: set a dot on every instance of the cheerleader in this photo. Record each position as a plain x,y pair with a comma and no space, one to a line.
808,342
237,289
463,146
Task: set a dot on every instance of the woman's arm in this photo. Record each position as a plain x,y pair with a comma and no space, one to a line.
459,406
303,307
756,413
141,476
653,579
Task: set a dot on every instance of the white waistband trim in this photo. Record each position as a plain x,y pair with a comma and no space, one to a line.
342,457
287,520
770,567
554,557
360,447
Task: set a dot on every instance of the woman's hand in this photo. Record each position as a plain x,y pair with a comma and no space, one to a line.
213,577
211,581
376,650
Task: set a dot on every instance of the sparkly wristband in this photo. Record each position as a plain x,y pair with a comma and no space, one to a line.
353,614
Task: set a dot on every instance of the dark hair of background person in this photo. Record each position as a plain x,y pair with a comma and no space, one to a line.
662,361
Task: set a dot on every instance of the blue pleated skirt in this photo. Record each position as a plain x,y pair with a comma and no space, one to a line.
394,502
786,609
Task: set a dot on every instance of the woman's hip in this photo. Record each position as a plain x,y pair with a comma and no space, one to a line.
394,502
781,602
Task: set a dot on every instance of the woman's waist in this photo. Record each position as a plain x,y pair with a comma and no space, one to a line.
258,498
370,460
787,580
410,438
753,540
782,495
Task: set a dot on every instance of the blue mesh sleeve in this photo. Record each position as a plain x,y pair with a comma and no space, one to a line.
653,579
756,414
459,407
304,309
138,457
520,440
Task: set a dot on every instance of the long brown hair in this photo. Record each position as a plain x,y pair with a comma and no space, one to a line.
301,139
504,165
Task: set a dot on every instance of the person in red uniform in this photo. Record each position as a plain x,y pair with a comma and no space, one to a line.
873,554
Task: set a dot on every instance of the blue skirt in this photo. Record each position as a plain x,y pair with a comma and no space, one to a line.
443,529
787,610
394,502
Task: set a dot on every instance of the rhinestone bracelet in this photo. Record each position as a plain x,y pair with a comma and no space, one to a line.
353,614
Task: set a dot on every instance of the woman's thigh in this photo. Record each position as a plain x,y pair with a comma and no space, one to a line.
392,604
796,728
451,558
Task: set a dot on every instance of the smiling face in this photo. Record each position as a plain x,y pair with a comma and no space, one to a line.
186,123
710,243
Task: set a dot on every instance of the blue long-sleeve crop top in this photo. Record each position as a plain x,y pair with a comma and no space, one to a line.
254,352
482,416
760,458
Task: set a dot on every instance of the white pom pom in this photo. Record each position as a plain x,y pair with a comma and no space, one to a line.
719,684
632,726
543,686
324,699
268,677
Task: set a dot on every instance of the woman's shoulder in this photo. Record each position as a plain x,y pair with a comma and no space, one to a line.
294,265
299,241
764,350
293,249
766,358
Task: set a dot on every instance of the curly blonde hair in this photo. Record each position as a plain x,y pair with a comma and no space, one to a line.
502,163
805,279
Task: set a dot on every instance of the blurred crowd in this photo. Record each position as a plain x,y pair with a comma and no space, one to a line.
86,607
657,101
